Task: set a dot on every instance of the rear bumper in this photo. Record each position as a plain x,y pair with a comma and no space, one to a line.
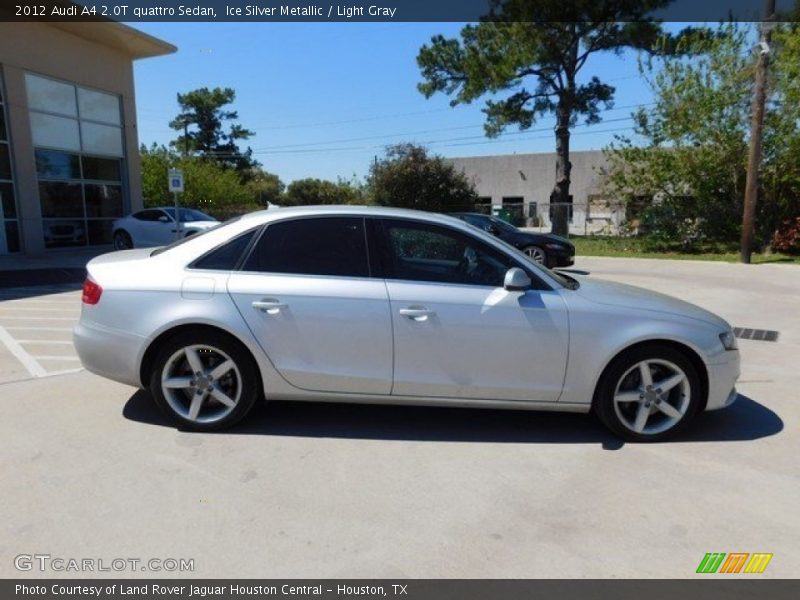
108,352
722,382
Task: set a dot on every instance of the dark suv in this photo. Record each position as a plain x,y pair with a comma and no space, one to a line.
545,248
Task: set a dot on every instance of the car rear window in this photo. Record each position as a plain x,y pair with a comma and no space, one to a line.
226,256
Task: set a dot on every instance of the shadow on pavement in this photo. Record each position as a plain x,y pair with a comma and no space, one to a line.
745,420
39,282
573,271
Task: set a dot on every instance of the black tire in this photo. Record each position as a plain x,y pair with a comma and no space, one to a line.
537,254
242,384
615,417
122,240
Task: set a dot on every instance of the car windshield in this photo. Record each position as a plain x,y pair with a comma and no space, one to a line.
189,238
189,215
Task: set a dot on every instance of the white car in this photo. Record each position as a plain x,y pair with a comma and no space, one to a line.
390,306
157,227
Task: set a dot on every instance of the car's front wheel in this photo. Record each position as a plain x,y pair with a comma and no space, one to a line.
537,254
204,381
648,393
122,240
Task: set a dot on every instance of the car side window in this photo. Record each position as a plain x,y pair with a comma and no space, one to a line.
226,256
148,215
424,252
313,246
475,221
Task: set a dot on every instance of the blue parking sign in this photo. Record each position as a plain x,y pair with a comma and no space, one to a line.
175,179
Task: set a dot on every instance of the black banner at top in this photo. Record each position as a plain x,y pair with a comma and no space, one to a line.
244,11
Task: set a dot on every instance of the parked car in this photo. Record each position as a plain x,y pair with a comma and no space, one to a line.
367,304
157,227
64,233
547,249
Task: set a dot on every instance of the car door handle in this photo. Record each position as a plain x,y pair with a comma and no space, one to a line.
269,305
420,314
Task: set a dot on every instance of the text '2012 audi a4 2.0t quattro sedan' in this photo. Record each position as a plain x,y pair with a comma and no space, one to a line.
378,305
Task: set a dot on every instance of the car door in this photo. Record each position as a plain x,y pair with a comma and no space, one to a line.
457,332
144,226
306,293
162,230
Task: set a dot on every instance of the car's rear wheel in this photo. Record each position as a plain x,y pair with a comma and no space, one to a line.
648,393
537,254
204,381
122,240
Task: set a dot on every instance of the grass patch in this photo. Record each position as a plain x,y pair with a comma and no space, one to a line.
633,247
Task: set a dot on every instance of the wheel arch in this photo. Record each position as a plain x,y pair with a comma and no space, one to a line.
690,353
146,364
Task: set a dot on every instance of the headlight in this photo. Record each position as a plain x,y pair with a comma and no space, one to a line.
728,340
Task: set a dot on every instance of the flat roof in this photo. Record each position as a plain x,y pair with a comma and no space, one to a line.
132,42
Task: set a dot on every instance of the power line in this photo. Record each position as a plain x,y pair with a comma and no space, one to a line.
441,143
410,133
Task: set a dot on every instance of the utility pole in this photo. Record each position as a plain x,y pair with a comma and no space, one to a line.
756,134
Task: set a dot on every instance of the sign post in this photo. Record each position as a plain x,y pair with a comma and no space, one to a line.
175,178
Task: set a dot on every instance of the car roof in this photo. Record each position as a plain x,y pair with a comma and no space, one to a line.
347,210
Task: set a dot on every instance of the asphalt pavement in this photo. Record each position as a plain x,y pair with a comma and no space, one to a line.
91,470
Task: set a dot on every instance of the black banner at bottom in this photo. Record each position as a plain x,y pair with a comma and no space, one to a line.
712,588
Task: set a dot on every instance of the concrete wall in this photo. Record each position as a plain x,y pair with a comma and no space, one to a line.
532,177
46,50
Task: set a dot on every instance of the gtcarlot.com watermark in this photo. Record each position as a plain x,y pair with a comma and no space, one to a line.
60,564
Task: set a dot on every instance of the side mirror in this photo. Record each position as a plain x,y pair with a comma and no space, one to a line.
163,219
516,280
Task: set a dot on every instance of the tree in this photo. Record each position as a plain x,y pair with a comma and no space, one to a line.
694,158
209,186
544,44
201,122
306,192
265,188
408,177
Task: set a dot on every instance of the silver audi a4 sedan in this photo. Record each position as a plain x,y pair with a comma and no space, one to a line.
389,306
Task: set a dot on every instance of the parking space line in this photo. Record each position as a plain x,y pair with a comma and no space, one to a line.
28,361
54,357
58,342
38,318
23,328
62,372
25,308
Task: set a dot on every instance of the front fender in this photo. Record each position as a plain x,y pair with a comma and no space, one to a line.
599,333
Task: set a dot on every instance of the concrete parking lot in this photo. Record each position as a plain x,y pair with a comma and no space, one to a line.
91,470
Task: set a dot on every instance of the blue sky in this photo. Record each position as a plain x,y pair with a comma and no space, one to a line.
325,98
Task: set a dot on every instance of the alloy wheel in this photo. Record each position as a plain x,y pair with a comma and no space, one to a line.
122,241
537,254
201,383
652,396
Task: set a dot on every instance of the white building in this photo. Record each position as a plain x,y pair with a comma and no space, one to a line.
522,183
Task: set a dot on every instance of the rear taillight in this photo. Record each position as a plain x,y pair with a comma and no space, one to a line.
91,291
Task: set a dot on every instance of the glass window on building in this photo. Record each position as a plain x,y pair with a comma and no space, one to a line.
514,205
9,216
483,205
77,134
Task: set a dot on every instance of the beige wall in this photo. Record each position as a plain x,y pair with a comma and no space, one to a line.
43,49
532,176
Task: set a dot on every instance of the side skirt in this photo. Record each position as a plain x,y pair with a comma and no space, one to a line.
433,401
